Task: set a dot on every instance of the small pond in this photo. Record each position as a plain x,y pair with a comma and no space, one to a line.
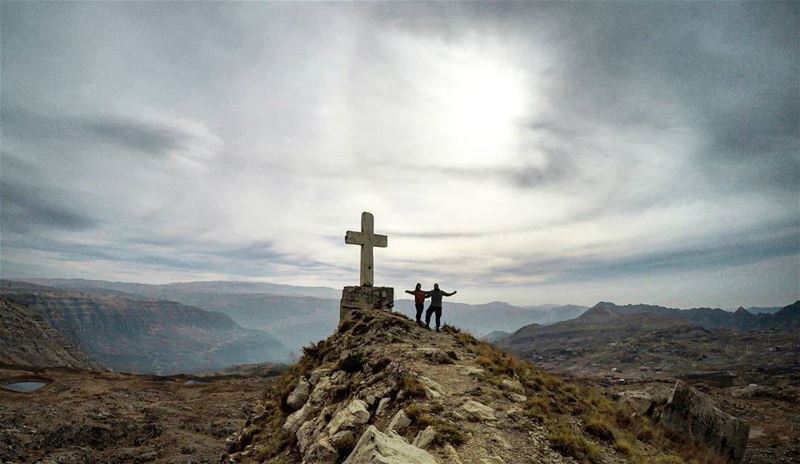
24,386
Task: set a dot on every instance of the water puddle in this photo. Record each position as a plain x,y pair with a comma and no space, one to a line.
25,386
195,382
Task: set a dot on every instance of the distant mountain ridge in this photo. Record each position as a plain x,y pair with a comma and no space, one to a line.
213,286
482,319
127,333
708,318
607,323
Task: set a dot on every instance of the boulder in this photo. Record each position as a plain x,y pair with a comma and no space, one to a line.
323,386
375,447
639,401
318,374
310,432
296,419
321,452
298,397
478,410
355,413
343,439
691,413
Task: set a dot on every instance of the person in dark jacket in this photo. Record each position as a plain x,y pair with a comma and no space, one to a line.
436,305
419,300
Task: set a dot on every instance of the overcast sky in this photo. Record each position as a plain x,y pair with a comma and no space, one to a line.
524,152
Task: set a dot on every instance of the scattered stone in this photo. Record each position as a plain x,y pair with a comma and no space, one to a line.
355,413
436,356
513,385
691,413
478,410
375,447
424,437
516,397
433,390
318,374
469,370
382,405
399,421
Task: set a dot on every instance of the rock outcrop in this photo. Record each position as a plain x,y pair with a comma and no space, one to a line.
691,413
383,390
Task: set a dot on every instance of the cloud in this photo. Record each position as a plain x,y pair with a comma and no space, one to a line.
535,149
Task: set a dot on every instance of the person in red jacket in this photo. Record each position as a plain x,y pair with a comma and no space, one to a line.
419,301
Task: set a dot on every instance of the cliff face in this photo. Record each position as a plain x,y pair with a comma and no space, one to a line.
151,336
383,390
27,339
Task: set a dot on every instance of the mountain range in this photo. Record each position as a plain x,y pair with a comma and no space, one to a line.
297,316
129,333
606,325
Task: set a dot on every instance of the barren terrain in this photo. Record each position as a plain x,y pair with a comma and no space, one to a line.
86,417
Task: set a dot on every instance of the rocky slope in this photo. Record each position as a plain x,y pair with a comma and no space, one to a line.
383,390
152,336
27,339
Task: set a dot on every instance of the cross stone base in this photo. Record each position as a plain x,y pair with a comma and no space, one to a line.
380,298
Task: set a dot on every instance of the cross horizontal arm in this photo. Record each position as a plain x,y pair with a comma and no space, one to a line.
355,238
380,241
360,238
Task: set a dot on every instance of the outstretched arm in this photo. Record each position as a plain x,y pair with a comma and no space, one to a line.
410,292
450,294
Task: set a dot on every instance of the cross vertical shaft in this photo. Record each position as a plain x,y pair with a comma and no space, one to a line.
367,239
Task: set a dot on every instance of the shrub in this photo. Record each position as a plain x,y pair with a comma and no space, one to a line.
564,440
412,386
448,433
598,427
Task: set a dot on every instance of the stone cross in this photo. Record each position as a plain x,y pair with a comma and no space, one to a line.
367,239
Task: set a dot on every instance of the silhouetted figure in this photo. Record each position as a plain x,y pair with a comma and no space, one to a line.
436,305
419,300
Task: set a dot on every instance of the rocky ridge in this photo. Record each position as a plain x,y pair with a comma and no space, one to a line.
383,390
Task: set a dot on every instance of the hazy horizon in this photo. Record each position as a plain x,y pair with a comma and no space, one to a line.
399,294
634,152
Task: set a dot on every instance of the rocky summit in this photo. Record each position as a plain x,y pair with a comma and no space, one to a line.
383,390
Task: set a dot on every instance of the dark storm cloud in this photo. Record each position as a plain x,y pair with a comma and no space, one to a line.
28,207
81,131
146,138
